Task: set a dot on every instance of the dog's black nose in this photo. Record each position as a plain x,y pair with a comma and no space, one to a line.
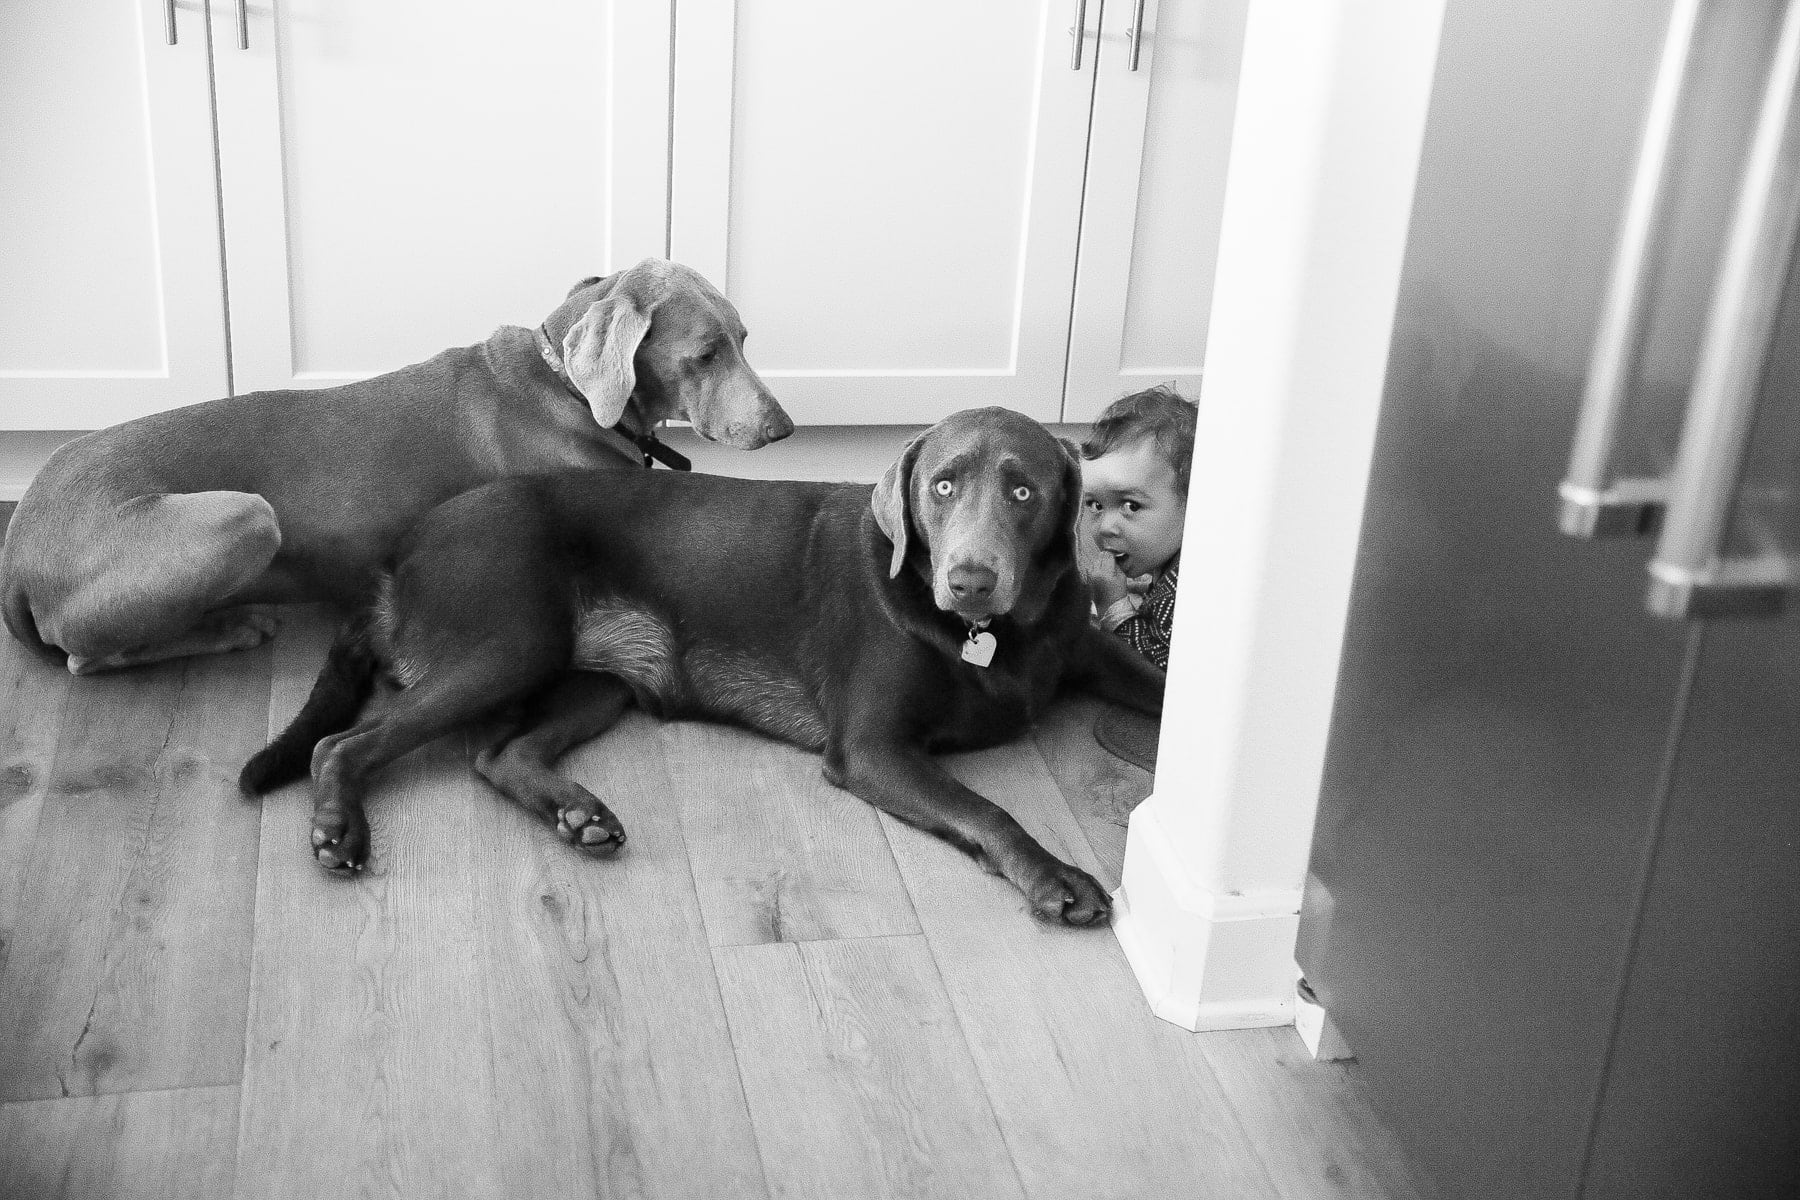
972,583
777,425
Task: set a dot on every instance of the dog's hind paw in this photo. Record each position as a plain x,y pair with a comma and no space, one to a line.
595,830
340,841
1069,896
252,632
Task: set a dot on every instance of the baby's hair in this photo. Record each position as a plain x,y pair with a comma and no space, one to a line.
1160,414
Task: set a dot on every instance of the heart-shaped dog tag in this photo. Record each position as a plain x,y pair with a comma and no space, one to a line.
979,649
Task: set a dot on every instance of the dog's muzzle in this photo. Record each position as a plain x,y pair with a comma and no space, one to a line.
976,587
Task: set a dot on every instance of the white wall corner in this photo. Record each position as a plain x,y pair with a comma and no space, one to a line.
1324,158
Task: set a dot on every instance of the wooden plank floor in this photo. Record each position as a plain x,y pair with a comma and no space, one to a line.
773,991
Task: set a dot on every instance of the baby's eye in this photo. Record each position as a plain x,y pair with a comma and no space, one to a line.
1093,506
1021,493
944,487
1132,506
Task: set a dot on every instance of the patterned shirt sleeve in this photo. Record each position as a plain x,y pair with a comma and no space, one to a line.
1148,630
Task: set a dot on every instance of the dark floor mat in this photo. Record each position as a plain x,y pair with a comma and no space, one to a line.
1128,735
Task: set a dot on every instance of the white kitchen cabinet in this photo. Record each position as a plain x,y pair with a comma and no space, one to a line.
918,208
889,193
1155,192
109,219
405,176
895,195
325,192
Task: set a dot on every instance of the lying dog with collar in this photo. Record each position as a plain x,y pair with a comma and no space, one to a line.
939,611
165,536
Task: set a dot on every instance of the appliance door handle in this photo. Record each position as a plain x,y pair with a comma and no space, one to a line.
243,26
1078,34
1136,34
1691,575
169,21
1595,503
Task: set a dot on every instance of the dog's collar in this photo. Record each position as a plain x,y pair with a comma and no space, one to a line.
653,450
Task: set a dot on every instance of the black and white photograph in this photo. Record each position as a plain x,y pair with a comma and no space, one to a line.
1002,599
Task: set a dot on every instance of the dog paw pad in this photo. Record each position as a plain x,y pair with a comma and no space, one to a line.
341,844
1071,896
597,833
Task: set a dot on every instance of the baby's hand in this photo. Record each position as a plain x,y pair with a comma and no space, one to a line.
1106,583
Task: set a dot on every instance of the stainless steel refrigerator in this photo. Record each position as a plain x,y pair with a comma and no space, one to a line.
1554,900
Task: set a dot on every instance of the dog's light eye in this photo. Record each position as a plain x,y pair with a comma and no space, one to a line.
945,487
1021,493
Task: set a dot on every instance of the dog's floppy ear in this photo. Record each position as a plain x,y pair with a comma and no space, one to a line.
892,496
1071,485
598,349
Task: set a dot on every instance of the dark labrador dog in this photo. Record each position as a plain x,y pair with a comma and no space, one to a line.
939,612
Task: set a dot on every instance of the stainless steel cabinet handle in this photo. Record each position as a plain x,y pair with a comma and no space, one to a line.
1136,34
169,20
1690,575
1594,502
243,26
1078,34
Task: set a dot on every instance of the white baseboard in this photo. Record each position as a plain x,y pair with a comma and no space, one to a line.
828,452
23,452
1204,961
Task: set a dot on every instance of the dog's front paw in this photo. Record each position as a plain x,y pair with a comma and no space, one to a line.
1068,895
340,839
592,826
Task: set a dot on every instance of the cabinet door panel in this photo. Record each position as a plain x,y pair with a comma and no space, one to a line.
407,176
889,194
1155,192
108,216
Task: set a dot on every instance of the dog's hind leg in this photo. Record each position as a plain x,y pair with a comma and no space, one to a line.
241,627
479,680
155,582
338,694
578,707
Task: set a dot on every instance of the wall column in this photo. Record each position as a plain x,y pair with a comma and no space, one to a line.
1325,150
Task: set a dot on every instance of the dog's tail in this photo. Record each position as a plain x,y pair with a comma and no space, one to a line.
344,683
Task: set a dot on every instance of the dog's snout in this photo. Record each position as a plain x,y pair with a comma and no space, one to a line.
972,582
745,416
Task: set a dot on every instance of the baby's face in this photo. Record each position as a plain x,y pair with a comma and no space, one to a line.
1134,507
